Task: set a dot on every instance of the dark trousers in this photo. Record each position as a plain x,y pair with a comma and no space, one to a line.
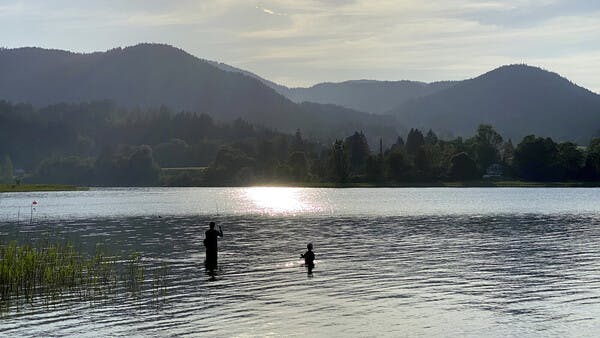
211,259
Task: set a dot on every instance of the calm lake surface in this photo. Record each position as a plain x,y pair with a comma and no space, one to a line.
472,262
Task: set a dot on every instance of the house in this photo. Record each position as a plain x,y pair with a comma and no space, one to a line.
494,171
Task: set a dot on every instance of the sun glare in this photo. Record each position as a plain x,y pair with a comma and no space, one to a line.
276,199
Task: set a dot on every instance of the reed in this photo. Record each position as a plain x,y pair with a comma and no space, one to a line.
46,271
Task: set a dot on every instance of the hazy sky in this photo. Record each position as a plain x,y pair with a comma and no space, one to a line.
301,42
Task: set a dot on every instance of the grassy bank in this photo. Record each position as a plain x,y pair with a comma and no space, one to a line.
38,187
45,271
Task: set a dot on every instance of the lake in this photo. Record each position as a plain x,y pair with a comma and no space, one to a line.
466,262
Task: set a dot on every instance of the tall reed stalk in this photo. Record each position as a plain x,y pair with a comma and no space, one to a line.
47,271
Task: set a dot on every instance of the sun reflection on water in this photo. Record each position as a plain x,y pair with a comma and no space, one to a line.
278,199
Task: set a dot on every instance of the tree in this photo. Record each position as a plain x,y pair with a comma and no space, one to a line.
422,161
127,166
244,176
228,162
358,151
536,159
142,169
414,140
281,147
399,145
374,168
298,142
486,146
65,170
570,160
174,153
298,165
508,153
338,162
462,167
431,137
397,166
591,171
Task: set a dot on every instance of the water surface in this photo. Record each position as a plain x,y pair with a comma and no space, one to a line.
396,262
126,202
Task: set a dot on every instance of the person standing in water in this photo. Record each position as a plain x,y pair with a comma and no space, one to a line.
309,258
212,249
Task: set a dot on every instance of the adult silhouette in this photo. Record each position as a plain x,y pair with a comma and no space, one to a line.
212,248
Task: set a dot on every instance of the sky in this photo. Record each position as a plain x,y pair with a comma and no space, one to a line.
303,42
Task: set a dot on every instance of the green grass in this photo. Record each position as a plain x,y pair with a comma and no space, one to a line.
194,171
46,271
185,169
38,187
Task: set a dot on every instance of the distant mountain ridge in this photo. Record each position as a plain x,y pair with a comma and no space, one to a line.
151,75
516,99
372,96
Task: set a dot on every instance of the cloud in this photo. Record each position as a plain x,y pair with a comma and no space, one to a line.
308,41
531,13
437,40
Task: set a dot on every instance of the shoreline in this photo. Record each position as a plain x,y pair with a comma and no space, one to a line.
5,188
8,188
438,184
454,184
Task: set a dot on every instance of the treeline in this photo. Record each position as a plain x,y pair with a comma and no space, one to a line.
29,135
425,158
421,158
99,144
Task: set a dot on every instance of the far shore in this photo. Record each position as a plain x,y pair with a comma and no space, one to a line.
435,184
455,184
440,184
38,187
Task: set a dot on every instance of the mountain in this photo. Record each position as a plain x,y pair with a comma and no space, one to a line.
276,87
517,100
371,96
151,75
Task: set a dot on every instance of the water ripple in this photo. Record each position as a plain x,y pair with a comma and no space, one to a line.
493,276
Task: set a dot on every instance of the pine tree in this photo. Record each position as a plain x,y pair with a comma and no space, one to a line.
414,141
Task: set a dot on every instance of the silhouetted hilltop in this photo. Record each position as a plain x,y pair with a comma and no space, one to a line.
277,87
517,100
150,75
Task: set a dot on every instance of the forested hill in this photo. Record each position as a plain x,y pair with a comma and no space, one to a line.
517,100
151,75
371,96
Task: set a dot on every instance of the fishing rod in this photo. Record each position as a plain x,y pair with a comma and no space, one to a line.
218,215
